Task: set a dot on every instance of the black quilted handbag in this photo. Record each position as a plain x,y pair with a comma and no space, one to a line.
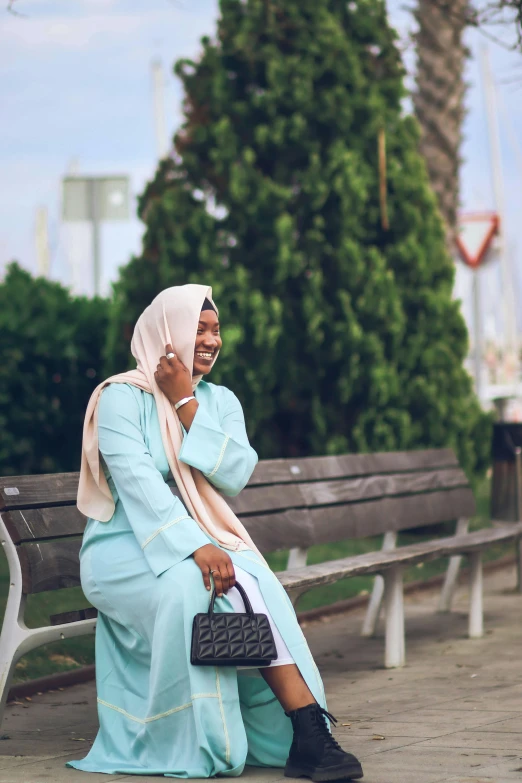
232,639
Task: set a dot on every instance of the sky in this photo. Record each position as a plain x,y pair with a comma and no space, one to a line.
76,96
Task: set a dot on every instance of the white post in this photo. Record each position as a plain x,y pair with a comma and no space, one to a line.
395,654
476,624
518,485
42,242
158,87
374,606
93,196
477,334
508,288
297,557
452,574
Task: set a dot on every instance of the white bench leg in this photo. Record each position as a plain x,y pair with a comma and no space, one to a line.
374,606
297,558
10,645
452,574
12,634
16,639
395,653
518,545
476,621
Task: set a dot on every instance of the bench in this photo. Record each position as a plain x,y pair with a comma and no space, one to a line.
288,504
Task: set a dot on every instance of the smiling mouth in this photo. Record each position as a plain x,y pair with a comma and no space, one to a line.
204,355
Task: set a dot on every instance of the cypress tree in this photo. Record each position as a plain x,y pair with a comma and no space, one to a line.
340,331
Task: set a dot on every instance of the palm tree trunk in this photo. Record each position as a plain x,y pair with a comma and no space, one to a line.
439,97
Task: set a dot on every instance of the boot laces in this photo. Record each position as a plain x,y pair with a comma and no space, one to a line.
321,727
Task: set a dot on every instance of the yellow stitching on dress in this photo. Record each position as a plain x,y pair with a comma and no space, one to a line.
161,714
144,720
220,458
161,529
222,711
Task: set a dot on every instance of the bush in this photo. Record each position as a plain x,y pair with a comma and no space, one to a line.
50,344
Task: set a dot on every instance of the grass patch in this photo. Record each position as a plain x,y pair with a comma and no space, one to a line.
72,653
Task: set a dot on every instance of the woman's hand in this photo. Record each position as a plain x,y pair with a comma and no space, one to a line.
173,377
211,558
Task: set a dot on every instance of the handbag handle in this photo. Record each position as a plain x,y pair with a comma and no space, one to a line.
244,596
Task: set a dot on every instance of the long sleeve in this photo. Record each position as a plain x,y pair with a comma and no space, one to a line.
164,530
220,448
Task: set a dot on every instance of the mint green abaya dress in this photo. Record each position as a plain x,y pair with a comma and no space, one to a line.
158,714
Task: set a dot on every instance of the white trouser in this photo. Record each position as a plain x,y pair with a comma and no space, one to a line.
259,606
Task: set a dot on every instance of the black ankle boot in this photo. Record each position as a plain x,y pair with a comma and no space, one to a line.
314,752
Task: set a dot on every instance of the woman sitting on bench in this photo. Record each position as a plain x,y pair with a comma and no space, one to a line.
150,555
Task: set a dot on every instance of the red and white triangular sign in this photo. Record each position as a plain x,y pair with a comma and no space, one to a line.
476,231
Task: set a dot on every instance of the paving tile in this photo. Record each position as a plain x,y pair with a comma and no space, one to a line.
481,779
436,761
17,761
385,775
489,740
51,771
411,727
513,724
508,770
455,719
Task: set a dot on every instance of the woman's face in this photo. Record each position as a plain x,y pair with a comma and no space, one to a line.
208,342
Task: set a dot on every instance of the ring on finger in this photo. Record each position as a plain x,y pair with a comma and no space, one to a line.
171,356
215,571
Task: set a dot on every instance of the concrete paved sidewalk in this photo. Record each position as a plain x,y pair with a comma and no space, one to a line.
452,715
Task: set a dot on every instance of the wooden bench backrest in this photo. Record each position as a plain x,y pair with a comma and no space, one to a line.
287,503
317,500
40,515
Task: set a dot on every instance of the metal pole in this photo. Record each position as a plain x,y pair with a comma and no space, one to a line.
95,224
42,242
496,165
477,334
160,125
518,485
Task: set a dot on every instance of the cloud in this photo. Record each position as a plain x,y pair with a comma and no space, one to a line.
95,24
65,32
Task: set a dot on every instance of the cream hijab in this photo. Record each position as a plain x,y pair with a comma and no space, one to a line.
172,318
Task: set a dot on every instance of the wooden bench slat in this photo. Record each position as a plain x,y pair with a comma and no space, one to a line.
275,498
42,523
254,500
49,489
379,562
305,527
284,471
375,517
283,530
50,565
373,487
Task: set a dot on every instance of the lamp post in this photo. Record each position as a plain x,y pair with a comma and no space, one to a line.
94,199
